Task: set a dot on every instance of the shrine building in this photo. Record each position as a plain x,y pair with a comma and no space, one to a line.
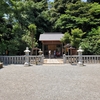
51,41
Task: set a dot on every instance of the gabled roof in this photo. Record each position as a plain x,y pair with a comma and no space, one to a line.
51,36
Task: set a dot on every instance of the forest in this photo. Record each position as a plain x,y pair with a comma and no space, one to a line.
22,22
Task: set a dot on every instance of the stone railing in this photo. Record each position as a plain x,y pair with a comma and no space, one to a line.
12,59
36,59
85,59
21,59
91,58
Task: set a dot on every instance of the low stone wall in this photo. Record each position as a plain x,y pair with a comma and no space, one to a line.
21,59
93,59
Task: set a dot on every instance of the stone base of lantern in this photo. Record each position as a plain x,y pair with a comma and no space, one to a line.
80,64
26,64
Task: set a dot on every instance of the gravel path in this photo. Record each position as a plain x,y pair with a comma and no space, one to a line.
50,82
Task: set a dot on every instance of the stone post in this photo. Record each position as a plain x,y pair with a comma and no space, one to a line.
42,61
49,54
80,62
26,57
64,58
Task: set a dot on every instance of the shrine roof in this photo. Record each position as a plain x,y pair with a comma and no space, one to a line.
51,36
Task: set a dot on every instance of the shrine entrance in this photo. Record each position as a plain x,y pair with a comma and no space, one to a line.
54,47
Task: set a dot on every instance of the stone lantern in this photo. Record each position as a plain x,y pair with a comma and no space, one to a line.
40,52
80,63
26,57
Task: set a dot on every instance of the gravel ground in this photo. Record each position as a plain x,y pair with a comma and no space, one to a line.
50,82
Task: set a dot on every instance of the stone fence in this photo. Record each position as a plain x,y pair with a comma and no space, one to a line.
93,59
21,59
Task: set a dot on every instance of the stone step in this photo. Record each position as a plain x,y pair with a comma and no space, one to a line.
54,61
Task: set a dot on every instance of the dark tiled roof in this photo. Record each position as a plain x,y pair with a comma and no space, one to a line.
50,37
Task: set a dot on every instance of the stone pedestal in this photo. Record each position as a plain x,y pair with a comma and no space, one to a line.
64,58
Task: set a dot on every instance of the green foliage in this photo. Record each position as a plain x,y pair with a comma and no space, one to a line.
32,28
91,44
71,17
66,38
65,23
79,15
76,37
28,39
94,31
93,1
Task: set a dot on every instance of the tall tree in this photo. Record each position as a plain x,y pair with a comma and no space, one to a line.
76,37
5,27
25,12
98,1
29,37
32,29
59,8
79,15
73,38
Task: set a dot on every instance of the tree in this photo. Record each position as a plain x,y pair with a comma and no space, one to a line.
98,1
29,38
65,23
5,27
32,29
79,15
59,8
76,37
91,44
66,38
71,17
24,13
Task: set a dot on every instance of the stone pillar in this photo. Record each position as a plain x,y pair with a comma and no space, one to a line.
26,57
42,59
49,54
62,49
64,58
80,62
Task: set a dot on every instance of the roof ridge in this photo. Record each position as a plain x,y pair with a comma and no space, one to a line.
52,33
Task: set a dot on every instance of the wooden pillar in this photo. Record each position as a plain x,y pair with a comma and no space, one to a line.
62,49
43,48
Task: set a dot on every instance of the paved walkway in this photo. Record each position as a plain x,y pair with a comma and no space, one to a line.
44,82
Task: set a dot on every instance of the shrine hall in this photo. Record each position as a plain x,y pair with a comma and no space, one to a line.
51,41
